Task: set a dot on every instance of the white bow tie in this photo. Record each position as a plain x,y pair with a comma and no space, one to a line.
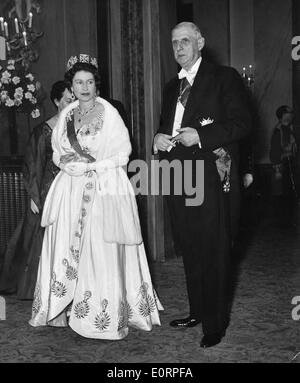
189,75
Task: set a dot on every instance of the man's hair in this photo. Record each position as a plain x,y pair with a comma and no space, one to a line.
57,91
283,109
189,24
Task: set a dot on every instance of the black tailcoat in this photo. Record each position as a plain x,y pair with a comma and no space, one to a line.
204,233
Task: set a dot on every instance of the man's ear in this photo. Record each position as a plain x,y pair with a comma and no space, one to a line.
201,43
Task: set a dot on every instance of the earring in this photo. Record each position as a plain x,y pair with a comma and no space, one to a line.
72,95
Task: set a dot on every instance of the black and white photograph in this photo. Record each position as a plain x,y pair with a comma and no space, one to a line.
149,185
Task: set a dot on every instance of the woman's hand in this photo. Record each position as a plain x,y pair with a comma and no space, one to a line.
75,169
33,207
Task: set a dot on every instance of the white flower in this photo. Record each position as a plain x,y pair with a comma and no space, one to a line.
11,64
28,95
3,95
9,102
6,77
19,91
31,87
16,80
33,100
35,113
18,96
206,121
30,76
18,102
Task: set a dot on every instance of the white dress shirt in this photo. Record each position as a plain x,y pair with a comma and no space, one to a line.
190,76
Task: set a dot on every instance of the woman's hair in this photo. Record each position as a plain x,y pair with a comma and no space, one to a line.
86,67
283,110
57,90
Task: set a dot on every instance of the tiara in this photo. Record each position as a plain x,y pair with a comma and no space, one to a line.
82,58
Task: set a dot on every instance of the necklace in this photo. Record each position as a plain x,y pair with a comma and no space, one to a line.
82,114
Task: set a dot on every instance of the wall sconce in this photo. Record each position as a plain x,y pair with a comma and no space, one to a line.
248,76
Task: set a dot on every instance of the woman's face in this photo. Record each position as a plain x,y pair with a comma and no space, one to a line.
84,86
64,101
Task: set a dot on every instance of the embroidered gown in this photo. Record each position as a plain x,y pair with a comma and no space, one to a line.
93,272
21,259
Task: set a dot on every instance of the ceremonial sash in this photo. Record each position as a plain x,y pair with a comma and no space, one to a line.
73,140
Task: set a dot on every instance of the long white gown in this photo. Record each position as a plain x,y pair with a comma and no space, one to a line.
93,272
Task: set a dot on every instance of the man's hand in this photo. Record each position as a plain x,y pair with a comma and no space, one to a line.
75,169
247,180
163,142
33,207
188,136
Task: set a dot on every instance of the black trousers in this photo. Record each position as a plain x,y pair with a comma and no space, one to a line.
203,234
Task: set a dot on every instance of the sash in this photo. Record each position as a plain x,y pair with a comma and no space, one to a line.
73,140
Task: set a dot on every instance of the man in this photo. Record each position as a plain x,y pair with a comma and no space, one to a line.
204,115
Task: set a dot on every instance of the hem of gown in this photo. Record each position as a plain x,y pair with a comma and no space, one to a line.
32,324
105,336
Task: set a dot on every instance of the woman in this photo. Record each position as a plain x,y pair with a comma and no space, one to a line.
21,260
93,267
283,155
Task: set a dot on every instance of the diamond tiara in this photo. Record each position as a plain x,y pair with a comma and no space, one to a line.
82,58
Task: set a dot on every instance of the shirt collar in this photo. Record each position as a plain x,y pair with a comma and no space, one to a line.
191,74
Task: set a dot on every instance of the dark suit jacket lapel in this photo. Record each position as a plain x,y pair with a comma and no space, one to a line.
199,89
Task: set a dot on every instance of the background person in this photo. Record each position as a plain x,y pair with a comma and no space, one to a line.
19,270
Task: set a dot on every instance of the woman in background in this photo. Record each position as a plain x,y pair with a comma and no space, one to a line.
93,273
21,259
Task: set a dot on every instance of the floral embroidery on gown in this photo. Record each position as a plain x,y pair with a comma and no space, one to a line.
89,277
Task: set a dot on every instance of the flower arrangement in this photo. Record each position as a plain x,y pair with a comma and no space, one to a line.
19,89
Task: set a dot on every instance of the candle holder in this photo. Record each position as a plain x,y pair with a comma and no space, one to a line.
20,36
20,92
248,76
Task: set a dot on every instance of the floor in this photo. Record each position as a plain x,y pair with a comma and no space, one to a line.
261,330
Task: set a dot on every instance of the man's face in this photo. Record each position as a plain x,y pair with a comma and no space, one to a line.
186,46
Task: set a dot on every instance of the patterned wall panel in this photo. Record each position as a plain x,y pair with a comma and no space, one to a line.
133,74
133,86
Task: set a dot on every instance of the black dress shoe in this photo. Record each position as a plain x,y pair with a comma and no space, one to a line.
185,322
211,339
